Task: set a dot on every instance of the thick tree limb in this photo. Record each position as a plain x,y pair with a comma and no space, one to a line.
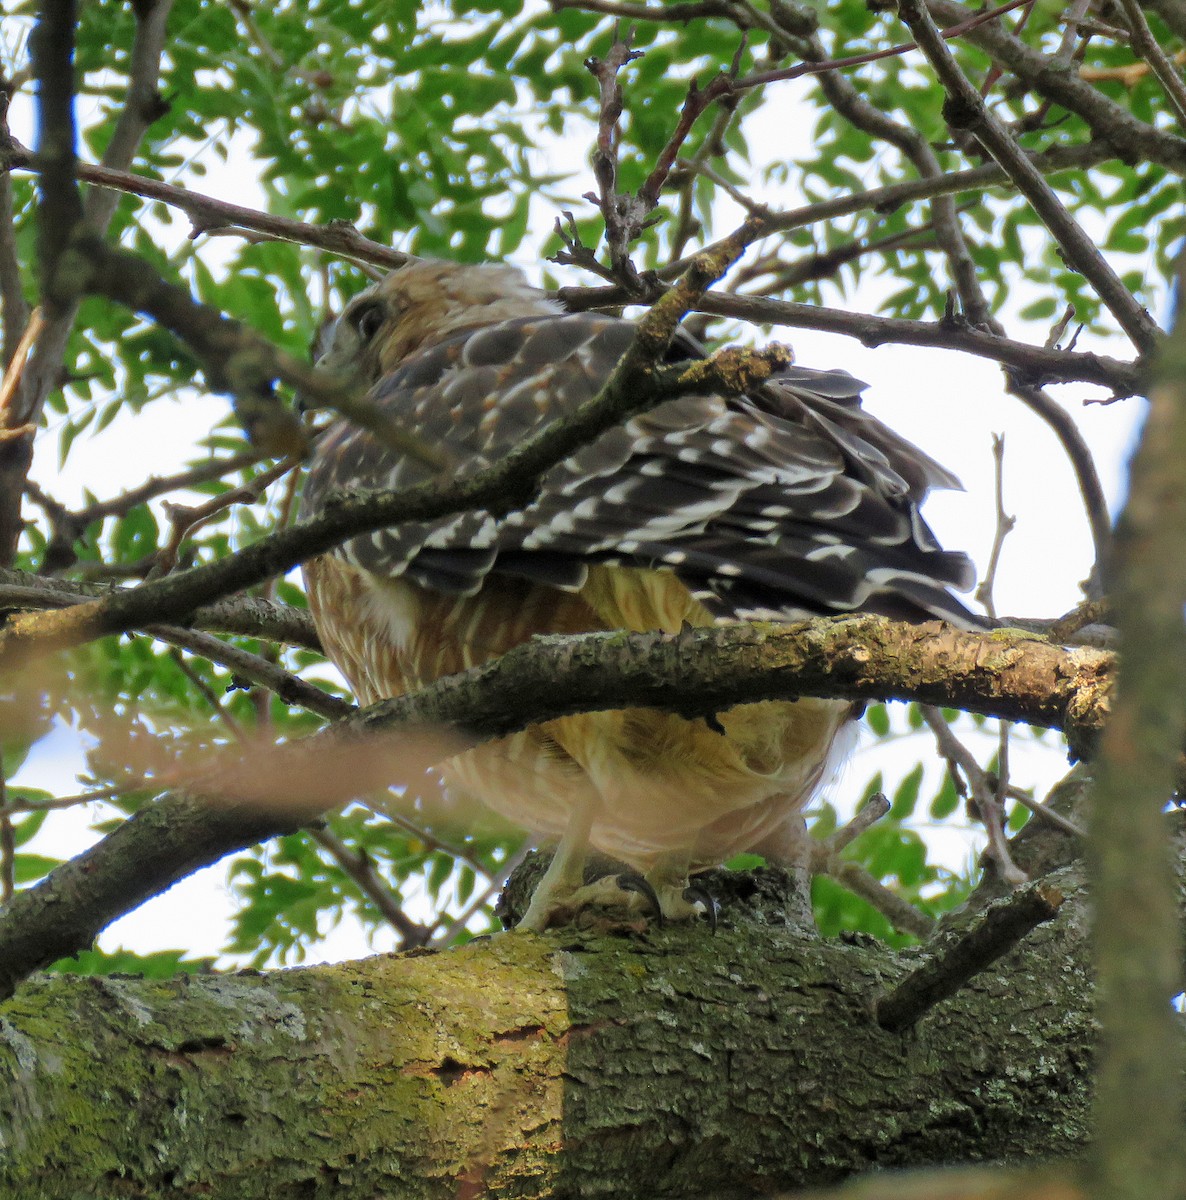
700,671
1137,927
666,1066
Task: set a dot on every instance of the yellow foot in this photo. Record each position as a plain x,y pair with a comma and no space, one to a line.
630,896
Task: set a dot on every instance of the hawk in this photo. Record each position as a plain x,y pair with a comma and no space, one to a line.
787,502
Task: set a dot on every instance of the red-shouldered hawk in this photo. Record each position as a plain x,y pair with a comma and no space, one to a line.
787,502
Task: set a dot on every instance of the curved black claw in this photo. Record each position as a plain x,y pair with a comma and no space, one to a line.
712,908
628,881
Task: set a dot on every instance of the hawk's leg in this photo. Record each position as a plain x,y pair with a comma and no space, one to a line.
677,900
562,892
558,895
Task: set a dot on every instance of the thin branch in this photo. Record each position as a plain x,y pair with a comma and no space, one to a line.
1034,362
141,107
1063,426
247,616
901,914
67,526
61,802
966,110
1005,524
204,690
826,860
208,214
443,937
962,763
883,199
1001,927
1147,47
1110,122
1044,812
161,485
186,520
291,689
361,870
646,12
862,114
825,263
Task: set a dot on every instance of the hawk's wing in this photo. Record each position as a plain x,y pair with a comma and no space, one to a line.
788,501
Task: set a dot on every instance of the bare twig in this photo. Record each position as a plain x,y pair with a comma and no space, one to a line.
185,520
445,936
973,783
1044,812
826,860
142,104
1063,426
787,275
291,689
1108,120
1035,361
1001,927
623,215
204,690
876,807
686,12
901,914
67,526
207,214
60,802
1005,524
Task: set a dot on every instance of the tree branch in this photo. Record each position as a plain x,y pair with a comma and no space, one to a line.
1132,140
1037,363
966,110
248,616
1137,1149
208,214
1001,926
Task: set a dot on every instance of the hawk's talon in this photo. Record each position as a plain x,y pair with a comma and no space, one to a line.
631,881
697,892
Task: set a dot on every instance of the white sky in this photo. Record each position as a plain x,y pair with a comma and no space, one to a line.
950,404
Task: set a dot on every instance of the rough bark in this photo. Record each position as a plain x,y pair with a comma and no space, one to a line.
568,1065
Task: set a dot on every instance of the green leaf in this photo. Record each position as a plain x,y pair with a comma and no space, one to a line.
906,794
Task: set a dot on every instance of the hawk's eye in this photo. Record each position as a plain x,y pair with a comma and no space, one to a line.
368,319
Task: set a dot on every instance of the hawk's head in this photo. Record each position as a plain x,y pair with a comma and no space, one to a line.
422,304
